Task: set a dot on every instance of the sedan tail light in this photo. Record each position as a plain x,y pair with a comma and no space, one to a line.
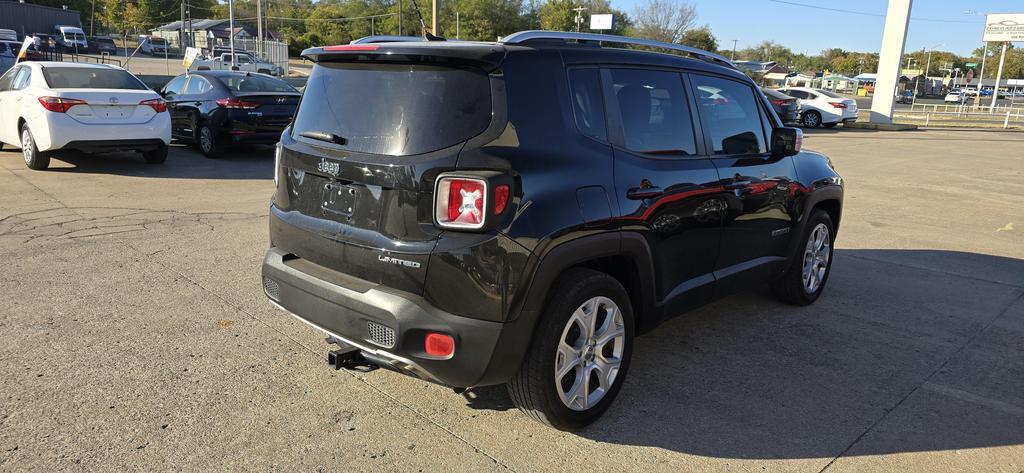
59,104
779,102
159,106
837,104
234,103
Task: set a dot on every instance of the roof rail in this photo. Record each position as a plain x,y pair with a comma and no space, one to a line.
387,39
532,35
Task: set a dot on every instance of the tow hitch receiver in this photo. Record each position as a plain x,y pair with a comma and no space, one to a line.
348,357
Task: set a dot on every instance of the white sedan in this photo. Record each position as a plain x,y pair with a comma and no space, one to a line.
48,106
820,107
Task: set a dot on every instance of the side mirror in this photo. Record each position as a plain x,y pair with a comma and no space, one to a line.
786,141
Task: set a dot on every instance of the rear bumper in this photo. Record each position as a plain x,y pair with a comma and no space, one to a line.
62,131
348,308
101,146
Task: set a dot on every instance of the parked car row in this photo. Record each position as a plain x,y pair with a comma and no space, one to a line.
811,108
50,106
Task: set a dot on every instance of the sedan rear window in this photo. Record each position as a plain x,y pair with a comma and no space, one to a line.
90,78
394,109
253,83
829,94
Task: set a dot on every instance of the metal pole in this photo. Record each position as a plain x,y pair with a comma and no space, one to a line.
457,25
373,27
92,20
981,75
434,30
181,30
231,31
999,75
733,58
400,30
259,29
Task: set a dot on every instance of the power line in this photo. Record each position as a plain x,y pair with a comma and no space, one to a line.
877,15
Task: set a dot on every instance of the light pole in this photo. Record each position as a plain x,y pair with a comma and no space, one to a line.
984,56
733,58
927,67
231,31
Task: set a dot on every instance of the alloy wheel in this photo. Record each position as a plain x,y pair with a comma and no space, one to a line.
589,353
810,120
816,256
26,146
206,139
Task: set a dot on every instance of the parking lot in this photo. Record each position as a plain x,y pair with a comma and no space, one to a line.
137,336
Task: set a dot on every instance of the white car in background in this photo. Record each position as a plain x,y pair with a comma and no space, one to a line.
49,106
819,107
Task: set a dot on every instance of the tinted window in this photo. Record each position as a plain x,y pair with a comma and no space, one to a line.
90,78
174,86
22,79
197,85
6,79
655,117
394,109
730,112
587,103
795,93
254,83
4,49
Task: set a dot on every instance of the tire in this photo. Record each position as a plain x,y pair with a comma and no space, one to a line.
207,141
156,156
811,119
829,125
537,391
804,279
34,159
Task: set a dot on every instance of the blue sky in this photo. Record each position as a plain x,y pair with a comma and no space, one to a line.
809,30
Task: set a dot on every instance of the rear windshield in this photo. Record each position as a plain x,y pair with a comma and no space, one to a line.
243,83
394,109
90,78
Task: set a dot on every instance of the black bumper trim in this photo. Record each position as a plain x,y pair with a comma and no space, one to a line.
343,313
116,145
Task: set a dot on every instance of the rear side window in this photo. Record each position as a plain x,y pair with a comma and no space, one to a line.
655,116
174,86
22,79
253,83
90,78
730,112
394,109
587,103
8,78
196,86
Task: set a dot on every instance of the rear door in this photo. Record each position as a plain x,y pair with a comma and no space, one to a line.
756,187
360,162
171,93
665,184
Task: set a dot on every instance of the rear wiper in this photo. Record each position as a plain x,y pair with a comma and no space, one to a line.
677,152
324,136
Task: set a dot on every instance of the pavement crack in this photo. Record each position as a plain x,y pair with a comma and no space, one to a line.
926,380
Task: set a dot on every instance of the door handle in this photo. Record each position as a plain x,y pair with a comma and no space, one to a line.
198,103
640,193
737,185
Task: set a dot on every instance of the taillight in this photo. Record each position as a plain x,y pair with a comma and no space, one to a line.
439,345
234,103
779,102
837,104
501,193
277,161
159,106
460,202
59,104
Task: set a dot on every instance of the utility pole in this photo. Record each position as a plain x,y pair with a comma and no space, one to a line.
231,31
579,17
181,30
434,30
259,28
999,75
457,25
92,20
733,58
400,30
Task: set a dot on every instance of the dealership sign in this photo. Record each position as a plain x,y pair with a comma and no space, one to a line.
601,22
1001,27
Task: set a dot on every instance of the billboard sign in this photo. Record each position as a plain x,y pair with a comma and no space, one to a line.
601,22
1001,27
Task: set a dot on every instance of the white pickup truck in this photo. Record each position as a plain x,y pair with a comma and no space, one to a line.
244,62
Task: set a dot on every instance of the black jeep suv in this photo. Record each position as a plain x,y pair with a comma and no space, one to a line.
516,212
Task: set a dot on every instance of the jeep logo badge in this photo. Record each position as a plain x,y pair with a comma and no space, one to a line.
328,167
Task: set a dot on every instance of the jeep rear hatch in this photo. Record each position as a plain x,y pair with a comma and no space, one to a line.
358,167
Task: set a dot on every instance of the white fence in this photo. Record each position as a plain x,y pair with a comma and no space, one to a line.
965,117
273,51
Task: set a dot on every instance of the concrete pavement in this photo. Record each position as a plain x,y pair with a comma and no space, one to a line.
137,337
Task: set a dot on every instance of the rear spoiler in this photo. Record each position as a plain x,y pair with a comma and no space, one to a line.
487,55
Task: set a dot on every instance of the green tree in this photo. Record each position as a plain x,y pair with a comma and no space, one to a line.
700,38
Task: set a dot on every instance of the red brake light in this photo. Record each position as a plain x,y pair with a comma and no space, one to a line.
353,47
837,104
500,198
460,202
779,102
234,103
59,104
159,106
439,345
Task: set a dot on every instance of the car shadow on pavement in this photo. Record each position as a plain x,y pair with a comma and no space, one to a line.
908,350
248,162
